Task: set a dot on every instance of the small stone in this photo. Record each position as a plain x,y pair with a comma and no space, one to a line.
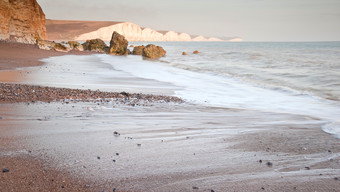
139,145
116,133
336,178
262,188
195,188
98,157
184,53
124,93
4,170
212,191
308,168
196,52
114,160
269,164
260,161
117,154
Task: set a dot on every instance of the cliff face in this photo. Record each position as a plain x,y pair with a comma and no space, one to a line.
21,21
133,32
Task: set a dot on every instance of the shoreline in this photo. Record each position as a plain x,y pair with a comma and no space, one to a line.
163,143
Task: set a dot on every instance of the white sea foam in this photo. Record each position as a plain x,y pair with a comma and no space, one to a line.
214,90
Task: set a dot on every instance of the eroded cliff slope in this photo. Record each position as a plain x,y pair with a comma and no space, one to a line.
21,21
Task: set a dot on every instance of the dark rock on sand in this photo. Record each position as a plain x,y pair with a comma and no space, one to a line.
124,93
118,44
4,170
153,51
138,50
96,45
269,164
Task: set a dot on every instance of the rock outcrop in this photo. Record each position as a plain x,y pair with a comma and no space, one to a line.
75,45
153,51
22,21
96,45
138,50
118,44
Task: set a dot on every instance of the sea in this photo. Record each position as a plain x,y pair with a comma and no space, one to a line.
301,78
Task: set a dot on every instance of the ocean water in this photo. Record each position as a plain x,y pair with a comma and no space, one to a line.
301,78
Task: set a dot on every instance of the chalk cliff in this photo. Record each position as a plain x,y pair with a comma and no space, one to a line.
133,32
21,21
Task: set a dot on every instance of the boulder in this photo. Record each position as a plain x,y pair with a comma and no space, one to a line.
74,45
153,51
138,50
96,45
60,47
22,21
45,44
118,44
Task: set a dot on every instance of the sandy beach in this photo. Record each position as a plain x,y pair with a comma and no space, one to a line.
61,136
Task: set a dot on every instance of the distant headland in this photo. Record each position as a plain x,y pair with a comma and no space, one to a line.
65,30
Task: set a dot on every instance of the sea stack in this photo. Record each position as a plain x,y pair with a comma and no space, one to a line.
118,44
22,21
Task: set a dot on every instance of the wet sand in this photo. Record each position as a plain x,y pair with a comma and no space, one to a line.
17,55
111,145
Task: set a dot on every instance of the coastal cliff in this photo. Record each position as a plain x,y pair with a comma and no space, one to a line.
133,32
22,21
63,30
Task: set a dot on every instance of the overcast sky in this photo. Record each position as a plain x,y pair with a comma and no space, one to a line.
253,20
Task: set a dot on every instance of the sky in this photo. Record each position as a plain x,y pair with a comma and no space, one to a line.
252,20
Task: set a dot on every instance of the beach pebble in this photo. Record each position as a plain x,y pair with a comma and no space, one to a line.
98,157
269,164
4,170
139,145
116,133
195,52
195,188
90,109
184,53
